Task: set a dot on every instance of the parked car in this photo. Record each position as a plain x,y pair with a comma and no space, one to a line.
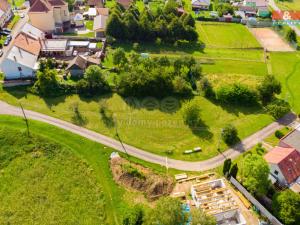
22,15
5,33
9,37
6,42
75,53
7,30
1,53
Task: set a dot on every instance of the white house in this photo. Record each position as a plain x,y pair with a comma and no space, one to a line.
100,25
284,165
6,12
200,4
19,64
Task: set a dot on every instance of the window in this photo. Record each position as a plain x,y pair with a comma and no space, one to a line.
276,172
20,69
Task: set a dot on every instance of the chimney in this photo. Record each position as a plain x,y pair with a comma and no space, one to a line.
20,52
15,58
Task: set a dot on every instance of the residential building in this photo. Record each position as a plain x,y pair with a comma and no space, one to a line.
95,3
125,3
28,43
49,15
284,165
291,140
256,4
56,47
79,64
6,13
102,11
100,26
200,4
32,31
19,64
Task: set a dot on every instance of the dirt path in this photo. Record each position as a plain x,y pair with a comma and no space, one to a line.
216,161
270,40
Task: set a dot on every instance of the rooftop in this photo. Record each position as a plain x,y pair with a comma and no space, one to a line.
99,22
22,57
292,139
288,160
103,11
54,45
28,43
4,5
32,31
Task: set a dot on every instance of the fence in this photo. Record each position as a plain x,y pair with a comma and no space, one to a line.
261,208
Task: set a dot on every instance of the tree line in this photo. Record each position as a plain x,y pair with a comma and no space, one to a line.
163,25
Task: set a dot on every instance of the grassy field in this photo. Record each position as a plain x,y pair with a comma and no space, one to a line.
286,67
18,3
226,35
145,124
61,176
288,5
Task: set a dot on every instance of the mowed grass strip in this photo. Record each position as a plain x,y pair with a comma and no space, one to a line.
146,124
288,5
286,68
55,177
226,35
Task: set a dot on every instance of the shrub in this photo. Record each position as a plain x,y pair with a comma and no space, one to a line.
278,108
278,134
191,113
268,88
230,134
237,94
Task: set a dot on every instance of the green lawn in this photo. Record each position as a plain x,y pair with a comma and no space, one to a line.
288,5
18,3
152,129
60,177
89,24
226,35
286,67
273,140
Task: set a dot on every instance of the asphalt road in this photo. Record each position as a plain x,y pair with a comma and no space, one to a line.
246,144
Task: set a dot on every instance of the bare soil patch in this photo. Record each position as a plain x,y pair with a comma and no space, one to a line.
137,177
270,40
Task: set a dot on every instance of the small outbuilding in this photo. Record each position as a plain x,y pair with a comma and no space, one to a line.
200,4
99,26
78,20
79,64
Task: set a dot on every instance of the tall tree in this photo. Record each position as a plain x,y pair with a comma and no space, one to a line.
268,88
255,174
115,27
168,211
189,20
286,206
131,26
119,57
198,217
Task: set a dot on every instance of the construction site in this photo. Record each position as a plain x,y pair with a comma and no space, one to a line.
214,197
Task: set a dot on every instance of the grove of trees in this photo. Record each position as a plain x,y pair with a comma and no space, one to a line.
164,24
167,211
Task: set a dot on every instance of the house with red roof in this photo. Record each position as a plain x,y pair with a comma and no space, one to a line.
6,12
49,15
284,165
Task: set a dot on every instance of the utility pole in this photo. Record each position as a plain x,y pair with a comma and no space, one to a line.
117,134
167,165
26,120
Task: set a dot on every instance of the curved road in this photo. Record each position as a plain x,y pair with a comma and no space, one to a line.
216,161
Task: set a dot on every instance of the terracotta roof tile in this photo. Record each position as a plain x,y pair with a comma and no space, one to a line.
40,6
288,160
28,44
103,11
4,5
